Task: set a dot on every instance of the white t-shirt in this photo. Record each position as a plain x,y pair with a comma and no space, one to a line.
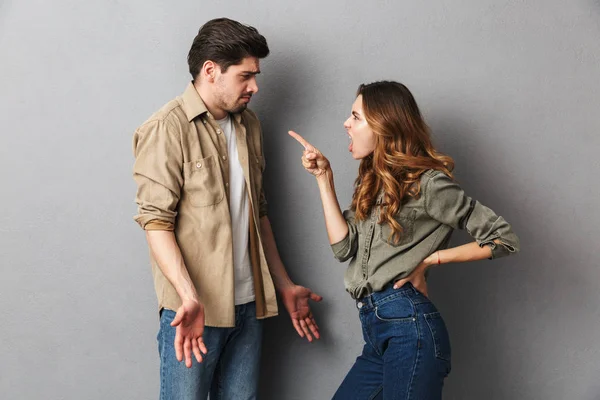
238,208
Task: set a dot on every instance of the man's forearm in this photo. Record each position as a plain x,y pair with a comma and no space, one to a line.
167,254
278,272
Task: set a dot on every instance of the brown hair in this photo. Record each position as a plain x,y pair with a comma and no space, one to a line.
403,152
226,42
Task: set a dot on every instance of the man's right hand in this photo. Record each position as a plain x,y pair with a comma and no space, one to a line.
189,321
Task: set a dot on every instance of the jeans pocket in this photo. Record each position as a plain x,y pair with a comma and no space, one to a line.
439,334
398,309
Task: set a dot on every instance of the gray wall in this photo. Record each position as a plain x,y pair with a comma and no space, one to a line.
511,90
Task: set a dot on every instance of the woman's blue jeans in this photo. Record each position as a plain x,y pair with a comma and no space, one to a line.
407,349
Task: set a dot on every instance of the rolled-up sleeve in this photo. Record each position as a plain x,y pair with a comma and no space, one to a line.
347,247
262,199
157,173
446,202
262,205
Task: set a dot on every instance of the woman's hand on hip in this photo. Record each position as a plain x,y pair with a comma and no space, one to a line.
417,277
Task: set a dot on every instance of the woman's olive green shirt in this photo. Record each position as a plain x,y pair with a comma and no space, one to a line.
427,223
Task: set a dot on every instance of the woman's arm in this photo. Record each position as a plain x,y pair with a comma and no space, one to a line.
341,233
447,203
318,165
337,228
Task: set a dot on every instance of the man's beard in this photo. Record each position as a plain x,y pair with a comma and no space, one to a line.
238,109
233,109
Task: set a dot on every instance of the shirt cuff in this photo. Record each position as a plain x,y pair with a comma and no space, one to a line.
159,225
341,248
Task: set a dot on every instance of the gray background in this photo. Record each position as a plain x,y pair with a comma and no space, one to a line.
509,88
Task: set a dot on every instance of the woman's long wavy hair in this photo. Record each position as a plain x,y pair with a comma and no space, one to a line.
403,152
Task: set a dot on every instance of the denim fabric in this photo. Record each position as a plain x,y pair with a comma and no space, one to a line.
407,349
229,370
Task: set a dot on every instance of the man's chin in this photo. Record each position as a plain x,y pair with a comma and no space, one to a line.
238,109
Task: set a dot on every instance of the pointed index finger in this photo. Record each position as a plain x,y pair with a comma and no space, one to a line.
301,140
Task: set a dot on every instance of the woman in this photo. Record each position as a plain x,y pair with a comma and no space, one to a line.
404,208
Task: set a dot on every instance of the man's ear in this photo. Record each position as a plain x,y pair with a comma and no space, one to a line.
209,69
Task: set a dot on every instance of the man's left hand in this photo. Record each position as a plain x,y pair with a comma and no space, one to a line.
295,299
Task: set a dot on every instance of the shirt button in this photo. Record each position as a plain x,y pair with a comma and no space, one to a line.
360,304
204,121
224,157
218,131
199,165
227,184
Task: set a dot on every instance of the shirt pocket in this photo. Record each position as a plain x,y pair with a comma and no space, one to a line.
406,221
202,182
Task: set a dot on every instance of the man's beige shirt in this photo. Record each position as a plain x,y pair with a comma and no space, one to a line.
182,176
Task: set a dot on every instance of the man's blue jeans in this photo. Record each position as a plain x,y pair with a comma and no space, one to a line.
230,368
407,351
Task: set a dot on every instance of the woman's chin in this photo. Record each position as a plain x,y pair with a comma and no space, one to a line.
359,155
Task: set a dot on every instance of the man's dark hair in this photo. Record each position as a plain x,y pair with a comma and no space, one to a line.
227,43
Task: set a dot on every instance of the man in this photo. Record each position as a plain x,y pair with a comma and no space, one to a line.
198,169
